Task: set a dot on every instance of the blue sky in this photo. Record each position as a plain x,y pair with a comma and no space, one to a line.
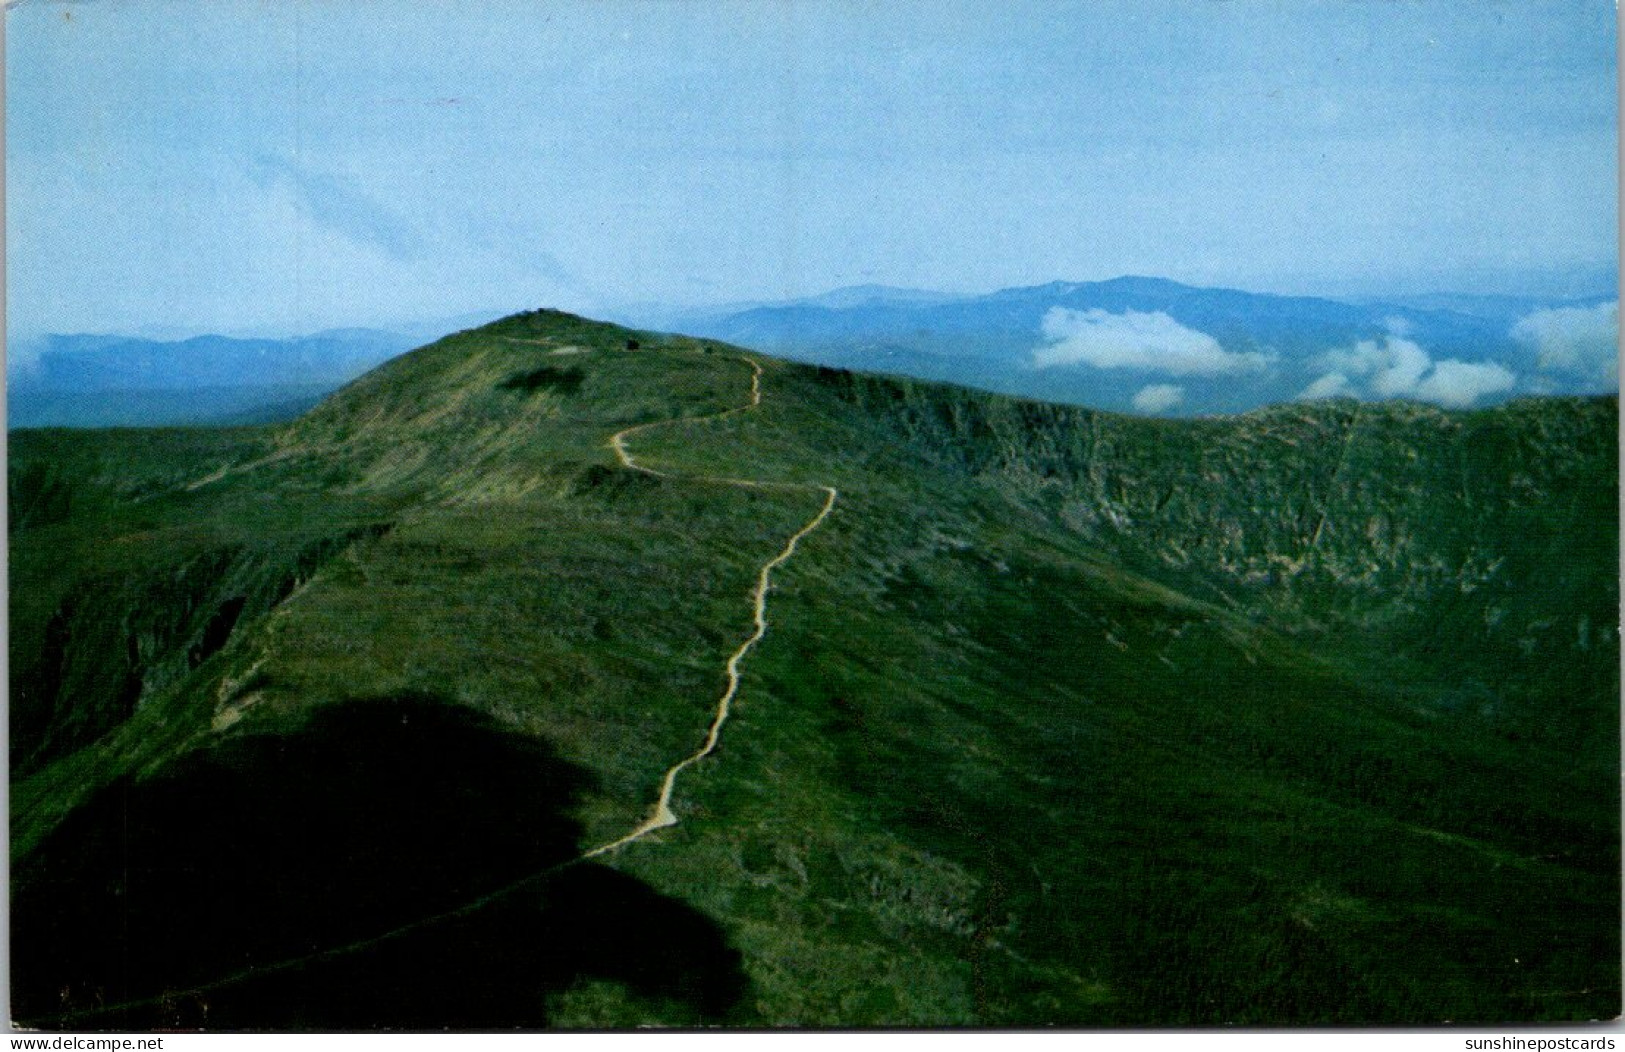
295,165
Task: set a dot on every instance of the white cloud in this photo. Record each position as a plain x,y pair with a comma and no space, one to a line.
1132,340
1581,340
1158,398
1459,384
1363,359
1401,372
1332,385
1393,367
1400,368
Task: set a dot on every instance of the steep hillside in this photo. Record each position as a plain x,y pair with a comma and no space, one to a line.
1047,716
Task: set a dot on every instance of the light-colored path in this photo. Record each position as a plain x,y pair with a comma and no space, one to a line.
661,815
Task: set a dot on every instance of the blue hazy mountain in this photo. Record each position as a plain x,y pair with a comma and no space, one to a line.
100,363
1137,344
1280,345
101,380
848,297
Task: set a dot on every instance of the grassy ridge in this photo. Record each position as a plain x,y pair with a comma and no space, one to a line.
1308,715
1231,805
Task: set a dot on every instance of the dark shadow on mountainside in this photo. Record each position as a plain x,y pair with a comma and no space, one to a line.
374,817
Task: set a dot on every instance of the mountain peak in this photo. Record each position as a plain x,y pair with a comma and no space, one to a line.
1142,283
877,295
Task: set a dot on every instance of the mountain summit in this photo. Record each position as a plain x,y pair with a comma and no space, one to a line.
562,674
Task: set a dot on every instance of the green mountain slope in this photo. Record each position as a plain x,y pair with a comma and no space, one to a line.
1304,716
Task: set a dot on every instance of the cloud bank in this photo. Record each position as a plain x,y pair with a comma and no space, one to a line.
1332,385
1152,342
1580,341
1399,368
1459,384
1158,398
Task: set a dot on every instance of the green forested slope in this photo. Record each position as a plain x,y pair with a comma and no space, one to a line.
1307,715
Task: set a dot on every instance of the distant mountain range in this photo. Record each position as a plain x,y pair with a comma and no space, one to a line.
536,680
1149,344
1132,344
101,380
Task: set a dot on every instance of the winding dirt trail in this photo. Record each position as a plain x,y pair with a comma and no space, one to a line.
661,815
